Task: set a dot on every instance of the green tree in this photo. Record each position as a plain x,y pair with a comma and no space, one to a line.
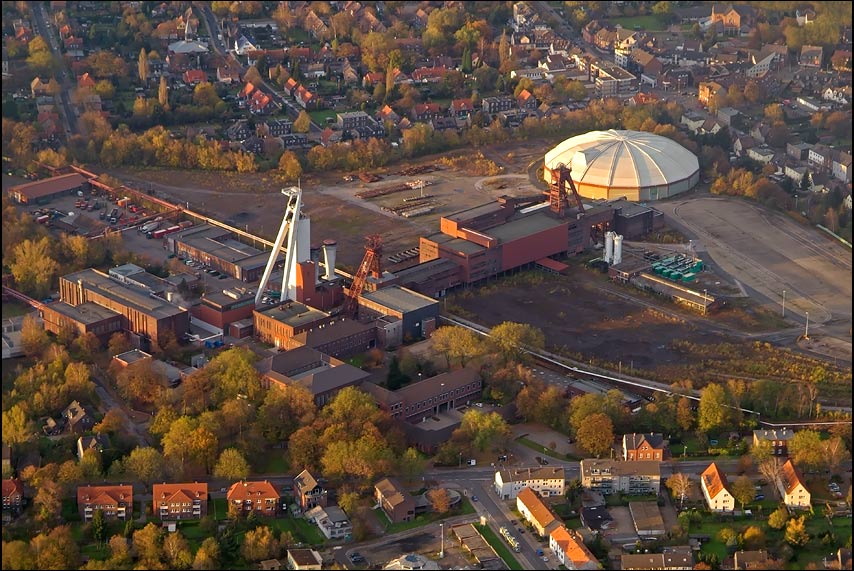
662,8
33,267
743,490
796,532
484,430
290,167
146,464
596,434
99,526
234,374
715,410
395,378
205,95
302,124
806,450
511,339
778,518
231,465
285,409
411,464
40,58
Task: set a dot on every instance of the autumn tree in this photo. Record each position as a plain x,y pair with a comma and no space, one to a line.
778,518
118,344
33,267
743,490
610,404
48,502
596,434
679,485
796,533
512,339
457,342
143,67
440,500
234,375
148,545
34,339
163,93
18,554
302,124
40,58
285,409
484,430
290,167
56,550
208,555
231,465
411,464
259,544
177,551
753,537
141,382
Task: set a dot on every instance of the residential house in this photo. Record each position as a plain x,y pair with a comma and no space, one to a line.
426,111
545,480
116,502
305,98
821,157
179,501
330,137
535,512
762,66
649,66
429,74
692,120
270,565
494,105
841,95
260,497
841,60
811,56
714,484
799,152
610,476
314,71
796,173
397,503
291,86
526,100
308,491
372,78
295,140
260,102
99,442
726,115
841,166
707,90
77,418
7,459
569,549
278,127
38,87
462,108
13,496
387,114
332,521
742,144
751,559
778,438
228,72
790,484
194,76
674,558
762,155
644,447
352,119
85,81
300,559
239,131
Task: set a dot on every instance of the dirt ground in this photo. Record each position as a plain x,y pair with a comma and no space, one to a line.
578,313
254,201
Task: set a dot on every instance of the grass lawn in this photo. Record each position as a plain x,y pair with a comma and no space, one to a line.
537,447
647,23
14,309
320,116
276,463
218,508
499,546
299,528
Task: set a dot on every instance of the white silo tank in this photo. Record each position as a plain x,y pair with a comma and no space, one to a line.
618,249
609,246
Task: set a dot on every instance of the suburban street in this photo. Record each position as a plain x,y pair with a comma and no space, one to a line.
45,29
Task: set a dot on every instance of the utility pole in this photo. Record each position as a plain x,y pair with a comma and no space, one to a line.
807,326
784,303
442,552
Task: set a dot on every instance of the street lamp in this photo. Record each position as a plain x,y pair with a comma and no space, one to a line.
784,303
461,460
807,326
442,552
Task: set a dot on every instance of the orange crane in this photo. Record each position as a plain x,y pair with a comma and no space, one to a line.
370,266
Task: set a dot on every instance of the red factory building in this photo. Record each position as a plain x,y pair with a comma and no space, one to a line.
512,233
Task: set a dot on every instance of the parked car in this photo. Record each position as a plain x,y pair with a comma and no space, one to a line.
758,497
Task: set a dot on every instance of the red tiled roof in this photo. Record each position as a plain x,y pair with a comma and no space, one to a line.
250,490
105,495
539,511
171,493
714,479
11,486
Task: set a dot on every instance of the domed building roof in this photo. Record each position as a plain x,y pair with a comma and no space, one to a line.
634,164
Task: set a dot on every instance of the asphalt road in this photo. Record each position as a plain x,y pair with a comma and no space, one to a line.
46,30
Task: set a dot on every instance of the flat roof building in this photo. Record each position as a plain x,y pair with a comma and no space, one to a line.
85,318
145,315
218,248
418,312
279,324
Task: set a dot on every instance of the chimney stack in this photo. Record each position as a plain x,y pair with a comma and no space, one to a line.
315,257
329,247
